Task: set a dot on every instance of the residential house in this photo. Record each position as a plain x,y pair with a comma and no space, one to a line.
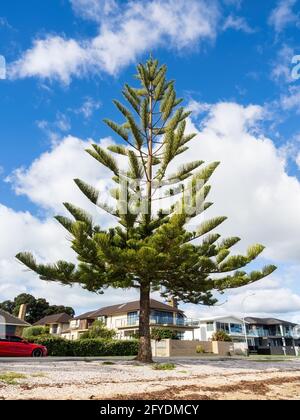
271,336
57,323
11,325
264,335
231,324
124,318
79,325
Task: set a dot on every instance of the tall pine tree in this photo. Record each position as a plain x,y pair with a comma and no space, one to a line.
151,250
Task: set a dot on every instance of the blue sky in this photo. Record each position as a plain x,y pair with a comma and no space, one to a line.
232,61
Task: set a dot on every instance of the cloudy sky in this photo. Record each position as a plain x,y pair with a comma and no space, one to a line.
235,65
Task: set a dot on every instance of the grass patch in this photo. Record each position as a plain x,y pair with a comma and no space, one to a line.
10,377
108,363
38,375
164,366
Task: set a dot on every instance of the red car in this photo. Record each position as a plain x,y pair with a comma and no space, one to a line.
13,346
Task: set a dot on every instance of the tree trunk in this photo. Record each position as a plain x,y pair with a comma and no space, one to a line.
145,351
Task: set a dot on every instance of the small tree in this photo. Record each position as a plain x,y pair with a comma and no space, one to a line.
151,250
99,330
221,336
35,331
159,334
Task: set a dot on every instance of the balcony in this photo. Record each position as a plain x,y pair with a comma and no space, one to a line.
159,321
262,332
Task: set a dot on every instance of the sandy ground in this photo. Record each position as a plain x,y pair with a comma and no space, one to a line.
191,379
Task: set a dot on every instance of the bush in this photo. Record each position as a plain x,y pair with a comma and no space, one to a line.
164,366
221,336
200,349
99,330
35,331
56,346
87,347
162,334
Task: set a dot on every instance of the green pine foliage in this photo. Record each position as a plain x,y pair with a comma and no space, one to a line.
151,250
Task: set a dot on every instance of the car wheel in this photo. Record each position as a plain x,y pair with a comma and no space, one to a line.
37,353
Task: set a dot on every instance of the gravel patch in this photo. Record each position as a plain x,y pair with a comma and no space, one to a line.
191,379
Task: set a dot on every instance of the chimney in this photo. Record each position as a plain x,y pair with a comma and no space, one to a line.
22,312
172,302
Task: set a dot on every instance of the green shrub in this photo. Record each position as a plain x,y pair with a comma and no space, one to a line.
99,330
200,349
35,331
221,336
87,348
56,346
162,334
164,366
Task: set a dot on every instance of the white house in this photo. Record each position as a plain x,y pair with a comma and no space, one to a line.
231,324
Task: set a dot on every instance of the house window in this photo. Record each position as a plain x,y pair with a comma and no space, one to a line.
54,328
210,326
236,328
162,317
102,319
222,326
132,318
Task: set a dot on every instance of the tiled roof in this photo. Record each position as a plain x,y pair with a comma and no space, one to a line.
12,320
127,307
55,319
86,315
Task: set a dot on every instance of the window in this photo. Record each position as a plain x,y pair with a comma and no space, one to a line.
236,328
75,323
221,326
132,318
162,317
210,326
54,329
102,319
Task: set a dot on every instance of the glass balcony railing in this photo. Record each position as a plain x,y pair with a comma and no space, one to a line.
261,332
180,322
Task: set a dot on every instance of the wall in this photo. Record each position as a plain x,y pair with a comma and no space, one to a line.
179,348
222,348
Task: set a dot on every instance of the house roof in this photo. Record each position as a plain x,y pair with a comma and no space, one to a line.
268,321
86,315
220,317
11,319
127,307
62,318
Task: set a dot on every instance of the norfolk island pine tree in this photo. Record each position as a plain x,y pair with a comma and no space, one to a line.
151,250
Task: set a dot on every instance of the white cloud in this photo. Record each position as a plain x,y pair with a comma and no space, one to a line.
282,67
251,185
238,24
94,10
283,15
88,107
48,182
136,27
51,58
291,100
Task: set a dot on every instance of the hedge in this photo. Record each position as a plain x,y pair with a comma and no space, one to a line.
34,331
87,347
